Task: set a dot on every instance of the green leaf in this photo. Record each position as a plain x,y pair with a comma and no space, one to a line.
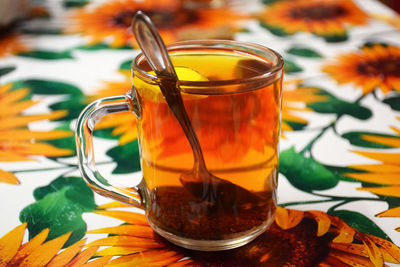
46,87
66,142
127,157
47,55
359,222
75,3
6,70
304,52
126,65
337,106
393,102
304,173
296,126
356,138
274,30
42,31
336,38
268,2
291,67
101,46
59,206
74,106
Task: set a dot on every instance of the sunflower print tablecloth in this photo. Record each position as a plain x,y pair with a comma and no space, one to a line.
339,184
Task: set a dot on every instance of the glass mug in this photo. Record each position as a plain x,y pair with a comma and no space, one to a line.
232,94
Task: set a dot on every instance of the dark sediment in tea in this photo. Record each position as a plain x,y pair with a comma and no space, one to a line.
176,210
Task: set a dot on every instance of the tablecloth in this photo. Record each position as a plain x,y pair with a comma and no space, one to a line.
339,182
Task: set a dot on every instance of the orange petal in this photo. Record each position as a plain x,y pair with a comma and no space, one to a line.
8,177
30,246
324,223
394,212
126,216
83,257
374,252
27,135
288,218
67,255
52,247
147,258
10,122
13,96
117,251
10,243
351,260
389,247
377,168
128,241
346,233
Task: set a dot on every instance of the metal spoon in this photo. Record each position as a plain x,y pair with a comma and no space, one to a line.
199,181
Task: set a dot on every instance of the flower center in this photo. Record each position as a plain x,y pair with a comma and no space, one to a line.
318,12
162,19
383,67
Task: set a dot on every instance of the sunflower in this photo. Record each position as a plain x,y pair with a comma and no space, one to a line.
11,44
295,97
14,253
372,67
17,142
297,238
112,19
384,175
321,17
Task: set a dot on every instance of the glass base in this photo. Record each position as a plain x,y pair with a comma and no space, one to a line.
213,245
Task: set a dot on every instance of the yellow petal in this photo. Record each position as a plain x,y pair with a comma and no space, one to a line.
288,218
391,158
30,246
52,247
114,204
17,108
324,223
377,168
13,96
100,262
12,122
27,135
126,216
394,212
345,232
10,243
8,177
390,141
393,191
127,229
128,241
83,257
67,255
377,178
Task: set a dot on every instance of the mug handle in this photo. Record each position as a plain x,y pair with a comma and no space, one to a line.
84,145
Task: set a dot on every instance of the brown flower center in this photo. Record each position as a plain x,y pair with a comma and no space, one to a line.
163,19
383,67
318,12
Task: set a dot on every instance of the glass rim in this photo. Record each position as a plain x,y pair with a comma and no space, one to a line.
277,66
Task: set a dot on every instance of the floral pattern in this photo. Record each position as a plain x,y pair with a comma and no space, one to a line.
340,146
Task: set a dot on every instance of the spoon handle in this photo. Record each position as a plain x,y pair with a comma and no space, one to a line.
154,49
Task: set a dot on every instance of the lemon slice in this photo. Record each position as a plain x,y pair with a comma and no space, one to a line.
153,93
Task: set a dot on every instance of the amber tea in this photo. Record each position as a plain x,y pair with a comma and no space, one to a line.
237,127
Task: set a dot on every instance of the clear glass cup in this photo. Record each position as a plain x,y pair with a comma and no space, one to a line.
232,95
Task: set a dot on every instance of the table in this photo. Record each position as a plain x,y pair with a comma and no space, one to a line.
339,184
